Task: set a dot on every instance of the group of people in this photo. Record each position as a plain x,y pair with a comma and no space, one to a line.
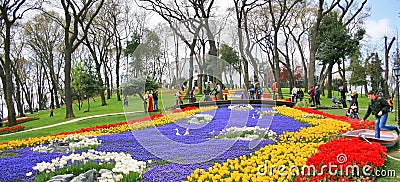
314,93
255,90
179,95
349,96
152,101
297,94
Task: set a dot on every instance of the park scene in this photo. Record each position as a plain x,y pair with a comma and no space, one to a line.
199,90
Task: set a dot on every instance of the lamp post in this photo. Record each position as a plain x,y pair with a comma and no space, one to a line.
396,71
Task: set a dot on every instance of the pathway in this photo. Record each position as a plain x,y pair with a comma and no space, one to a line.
72,121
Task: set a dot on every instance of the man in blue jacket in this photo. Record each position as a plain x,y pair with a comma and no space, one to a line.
379,107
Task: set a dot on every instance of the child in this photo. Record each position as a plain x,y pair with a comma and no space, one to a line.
390,102
352,112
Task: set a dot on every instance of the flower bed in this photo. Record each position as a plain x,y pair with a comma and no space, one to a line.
303,139
293,149
355,123
21,120
247,133
109,128
11,129
345,160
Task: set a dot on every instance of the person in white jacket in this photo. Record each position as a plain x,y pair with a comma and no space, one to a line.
294,94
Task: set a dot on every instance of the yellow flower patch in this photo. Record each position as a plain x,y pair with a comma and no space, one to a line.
282,161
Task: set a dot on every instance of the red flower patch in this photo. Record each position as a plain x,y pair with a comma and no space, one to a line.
355,123
11,129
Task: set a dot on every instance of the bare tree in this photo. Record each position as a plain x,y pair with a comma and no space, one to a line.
42,35
99,41
242,9
10,12
79,17
180,19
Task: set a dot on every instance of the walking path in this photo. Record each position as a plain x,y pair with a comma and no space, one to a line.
73,121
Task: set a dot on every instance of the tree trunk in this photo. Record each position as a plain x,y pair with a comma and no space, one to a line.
69,113
8,89
277,68
107,82
18,100
329,83
191,57
117,62
54,82
102,94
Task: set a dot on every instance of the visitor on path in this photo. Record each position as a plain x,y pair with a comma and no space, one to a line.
390,102
252,90
348,98
155,98
317,96
294,94
150,107
125,100
178,97
379,107
300,94
217,90
192,97
273,87
354,98
51,111
311,92
343,91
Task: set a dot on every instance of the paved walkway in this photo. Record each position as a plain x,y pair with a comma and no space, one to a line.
72,121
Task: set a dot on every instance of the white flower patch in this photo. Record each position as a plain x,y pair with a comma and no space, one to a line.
267,113
199,119
124,163
72,143
247,107
247,133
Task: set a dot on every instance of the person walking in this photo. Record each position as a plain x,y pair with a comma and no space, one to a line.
379,107
354,98
343,91
300,94
192,97
252,91
258,90
150,106
390,102
317,96
349,97
294,94
51,111
155,98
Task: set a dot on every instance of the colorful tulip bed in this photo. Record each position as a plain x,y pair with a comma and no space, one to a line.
171,147
11,129
21,120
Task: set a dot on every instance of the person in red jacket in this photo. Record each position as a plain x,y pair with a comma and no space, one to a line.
151,106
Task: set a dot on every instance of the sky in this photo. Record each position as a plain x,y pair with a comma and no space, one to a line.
384,19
